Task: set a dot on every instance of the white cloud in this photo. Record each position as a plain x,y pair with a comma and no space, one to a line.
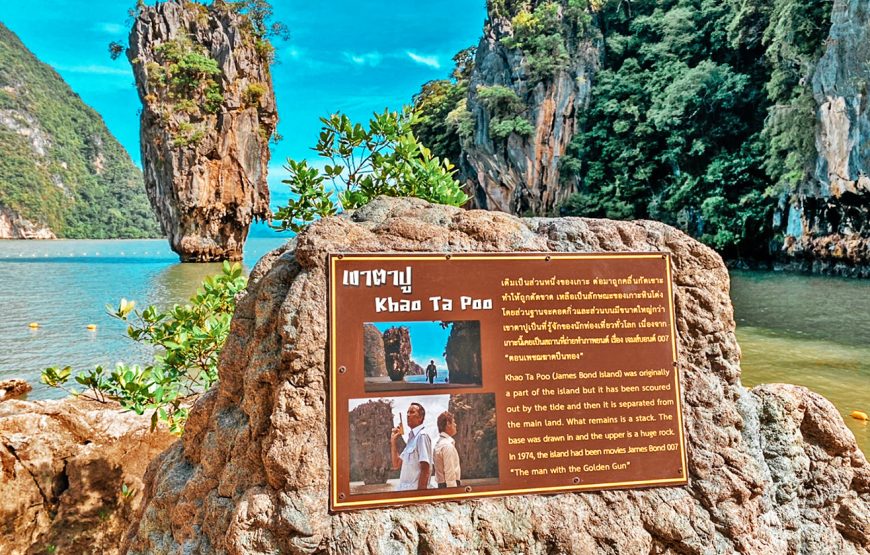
110,28
430,61
365,59
94,69
302,58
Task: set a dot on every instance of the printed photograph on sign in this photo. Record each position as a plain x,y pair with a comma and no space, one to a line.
411,356
425,442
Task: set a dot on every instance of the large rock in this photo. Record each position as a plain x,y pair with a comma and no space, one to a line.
520,173
828,223
12,388
204,135
63,468
370,459
462,353
374,363
772,470
15,226
476,436
397,352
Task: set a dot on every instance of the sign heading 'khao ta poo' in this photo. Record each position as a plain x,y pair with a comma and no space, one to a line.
475,375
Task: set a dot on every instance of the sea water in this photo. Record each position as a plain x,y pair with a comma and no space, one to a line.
807,330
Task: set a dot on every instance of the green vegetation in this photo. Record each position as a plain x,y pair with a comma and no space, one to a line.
442,120
543,32
59,165
188,338
698,110
384,158
505,109
253,93
701,116
186,80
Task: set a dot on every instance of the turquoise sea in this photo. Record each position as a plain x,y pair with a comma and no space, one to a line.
65,285
807,330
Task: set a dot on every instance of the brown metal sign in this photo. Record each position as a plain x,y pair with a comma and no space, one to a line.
454,376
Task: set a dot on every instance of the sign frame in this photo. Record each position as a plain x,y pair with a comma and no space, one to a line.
341,500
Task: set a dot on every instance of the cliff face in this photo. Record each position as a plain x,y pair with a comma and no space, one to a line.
518,171
772,469
370,427
374,363
14,226
828,219
476,434
208,112
397,352
62,173
462,353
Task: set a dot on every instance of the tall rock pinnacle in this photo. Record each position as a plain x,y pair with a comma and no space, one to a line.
208,112
524,100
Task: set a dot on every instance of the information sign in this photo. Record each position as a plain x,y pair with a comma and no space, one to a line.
454,376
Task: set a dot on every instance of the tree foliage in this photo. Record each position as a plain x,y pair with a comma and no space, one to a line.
701,115
694,115
59,164
443,121
188,339
383,158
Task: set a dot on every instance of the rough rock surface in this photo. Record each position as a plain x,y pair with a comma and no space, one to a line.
14,226
772,470
374,363
476,437
10,389
462,353
828,223
397,352
62,468
520,174
370,459
205,160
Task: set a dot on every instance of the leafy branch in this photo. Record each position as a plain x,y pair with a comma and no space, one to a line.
189,339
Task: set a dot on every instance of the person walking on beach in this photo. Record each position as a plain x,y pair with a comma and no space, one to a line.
415,461
431,371
447,468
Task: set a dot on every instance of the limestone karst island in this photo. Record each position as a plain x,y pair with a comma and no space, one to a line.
509,276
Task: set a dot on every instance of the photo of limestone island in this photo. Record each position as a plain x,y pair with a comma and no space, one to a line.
407,356
427,442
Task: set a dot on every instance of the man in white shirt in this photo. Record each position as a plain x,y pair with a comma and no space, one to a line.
447,469
415,460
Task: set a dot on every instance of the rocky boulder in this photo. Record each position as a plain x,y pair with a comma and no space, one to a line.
772,470
208,112
462,353
71,475
370,459
374,363
476,438
14,226
397,352
10,389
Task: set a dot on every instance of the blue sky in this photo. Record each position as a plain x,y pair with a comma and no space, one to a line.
427,341
355,57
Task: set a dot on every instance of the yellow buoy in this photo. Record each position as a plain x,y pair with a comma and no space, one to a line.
92,327
33,325
858,415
